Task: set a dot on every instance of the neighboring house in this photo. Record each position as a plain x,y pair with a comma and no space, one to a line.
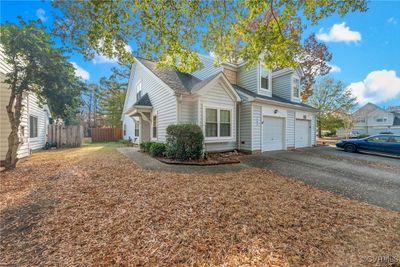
371,119
252,109
34,119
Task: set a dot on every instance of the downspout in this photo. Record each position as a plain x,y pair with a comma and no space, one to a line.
238,124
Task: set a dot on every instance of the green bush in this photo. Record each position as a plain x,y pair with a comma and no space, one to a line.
145,146
157,149
184,142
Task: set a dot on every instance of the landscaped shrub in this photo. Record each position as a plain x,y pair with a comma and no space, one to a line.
157,149
184,141
145,146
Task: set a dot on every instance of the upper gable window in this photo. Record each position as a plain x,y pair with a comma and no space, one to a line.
264,79
296,87
138,90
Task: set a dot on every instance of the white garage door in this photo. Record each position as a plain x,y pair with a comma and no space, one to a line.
303,133
273,129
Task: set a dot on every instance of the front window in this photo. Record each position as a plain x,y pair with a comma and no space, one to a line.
33,126
138,90
296,87
225,123
124,129
218,123
211,122
154,127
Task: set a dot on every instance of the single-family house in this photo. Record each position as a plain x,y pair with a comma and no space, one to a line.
250,109
371,119
34,119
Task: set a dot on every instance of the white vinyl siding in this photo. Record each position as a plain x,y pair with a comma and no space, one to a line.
31,107
162,98
188,111
208,69
249,78
129,127
282,86
218,98
245,125
313,130
290,129
257,124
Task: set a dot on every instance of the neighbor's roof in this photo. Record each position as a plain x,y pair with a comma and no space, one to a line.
273,97
396,120
176,80
144,101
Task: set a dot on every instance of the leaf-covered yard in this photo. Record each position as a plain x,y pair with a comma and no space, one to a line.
92,206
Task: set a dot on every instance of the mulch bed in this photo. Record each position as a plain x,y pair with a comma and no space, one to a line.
213,159
92,206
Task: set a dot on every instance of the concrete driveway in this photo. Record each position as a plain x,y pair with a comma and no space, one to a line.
369,178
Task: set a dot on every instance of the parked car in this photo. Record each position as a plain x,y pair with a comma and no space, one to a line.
382,143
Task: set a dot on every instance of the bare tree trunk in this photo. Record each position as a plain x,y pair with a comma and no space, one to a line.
14,117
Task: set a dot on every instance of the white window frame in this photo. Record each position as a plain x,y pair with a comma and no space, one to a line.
152,126
268,76
139,84
37,126
218,137
298,86
136,129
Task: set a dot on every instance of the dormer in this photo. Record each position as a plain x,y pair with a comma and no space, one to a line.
286,84
265,78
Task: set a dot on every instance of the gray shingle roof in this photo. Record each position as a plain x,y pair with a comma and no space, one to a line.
177,81
273,97
144,101
186,83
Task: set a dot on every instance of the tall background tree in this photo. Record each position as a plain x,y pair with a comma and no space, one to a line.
175,31
314,62
37,67
333,101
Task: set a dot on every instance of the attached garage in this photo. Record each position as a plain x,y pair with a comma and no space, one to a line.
273,133
302,133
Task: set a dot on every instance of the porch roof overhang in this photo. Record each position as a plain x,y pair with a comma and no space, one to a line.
141,106
137,110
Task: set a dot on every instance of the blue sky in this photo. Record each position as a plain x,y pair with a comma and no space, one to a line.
365,47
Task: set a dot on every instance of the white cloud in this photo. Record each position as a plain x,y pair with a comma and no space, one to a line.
334,68
41,14
379,86
339,33
102,59
80,72
392,20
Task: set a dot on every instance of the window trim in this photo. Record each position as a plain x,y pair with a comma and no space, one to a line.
152,126
298,87
218,137
137,128
37,126
268,77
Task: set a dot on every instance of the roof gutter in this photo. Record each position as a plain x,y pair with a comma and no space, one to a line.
277,103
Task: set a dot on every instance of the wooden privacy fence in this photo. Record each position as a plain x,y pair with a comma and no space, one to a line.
106,134
65,136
